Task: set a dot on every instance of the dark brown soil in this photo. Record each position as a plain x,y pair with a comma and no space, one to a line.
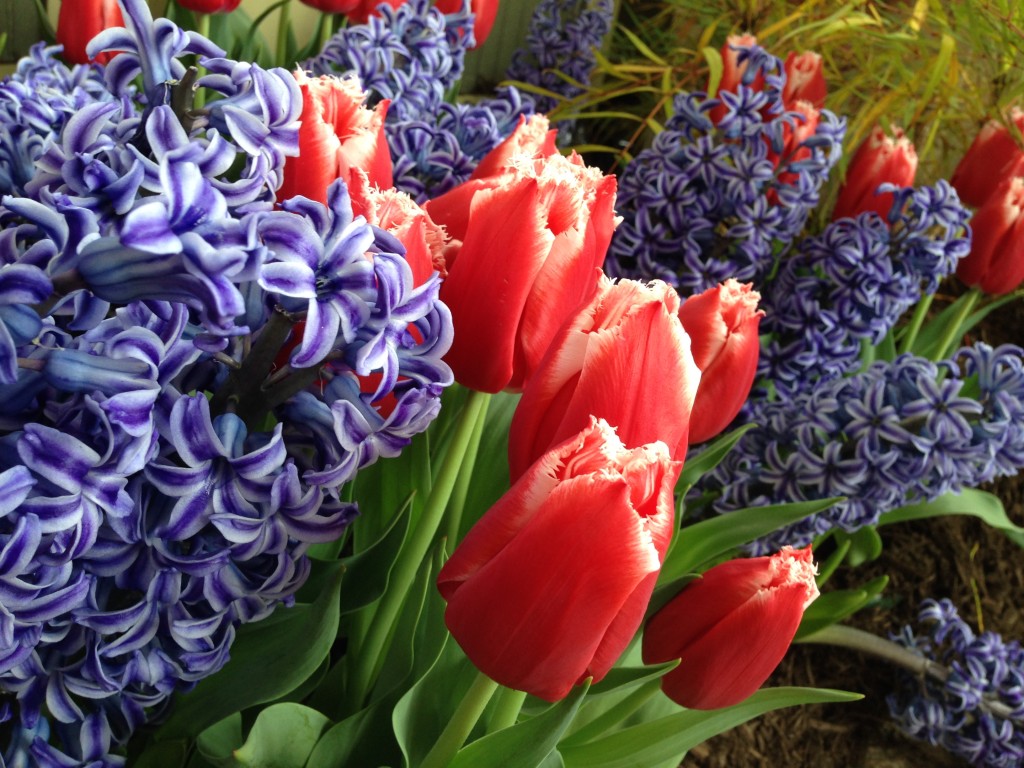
960,558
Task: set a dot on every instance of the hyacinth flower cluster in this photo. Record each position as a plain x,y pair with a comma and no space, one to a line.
412,56
558,55
974,705
189,375
728,185
899,433
849,285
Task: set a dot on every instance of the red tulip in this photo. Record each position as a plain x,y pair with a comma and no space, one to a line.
337,136
994,155
623,358
344,6
722,323
996,261
732,71
209,6
550,586
805,80
879,160
484,13
80,21
794,134
731,627
533,242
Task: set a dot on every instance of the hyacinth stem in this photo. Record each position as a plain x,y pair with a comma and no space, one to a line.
461,490
371,651
243,386
858,640
461,724
283,28
952,337
916,321
203,28
507,706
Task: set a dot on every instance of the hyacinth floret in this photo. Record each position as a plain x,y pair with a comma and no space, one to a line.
850,284
708,200
975,708
901,432
187,379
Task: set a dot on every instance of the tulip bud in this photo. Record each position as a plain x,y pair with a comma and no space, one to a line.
337,136
532,246
796,130
805,80
879,160
209,6
551,585
624,358
996,261
733,72
80,21
722,324
993,156
731,627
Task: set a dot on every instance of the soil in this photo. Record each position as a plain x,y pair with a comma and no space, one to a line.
961,558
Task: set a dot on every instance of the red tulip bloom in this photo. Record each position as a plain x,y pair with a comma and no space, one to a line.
733,70
722,323
337,6
484,13
550,586
80,21
731,627
209,6
805,80
623,358
533,240
996,261
993,156
337,136
882,159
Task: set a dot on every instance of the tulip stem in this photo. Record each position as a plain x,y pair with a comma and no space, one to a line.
461,724
283,28
953,334
506,709
461,490
203,28
326,30
858,640
916,321
371,652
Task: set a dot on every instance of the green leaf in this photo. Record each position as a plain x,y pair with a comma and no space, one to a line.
166,754
268,660
969,501
709,539
220,740
641,46
282,737
366,572
669,738
930,337
865,545
525,744
710,457
715,68
832,607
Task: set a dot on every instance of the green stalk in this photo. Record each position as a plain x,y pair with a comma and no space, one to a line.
461,490
326,30
203,28
283,27
916,320
953,335
506,709
371,652
459,727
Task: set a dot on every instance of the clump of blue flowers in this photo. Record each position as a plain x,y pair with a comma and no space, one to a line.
189,376
975,706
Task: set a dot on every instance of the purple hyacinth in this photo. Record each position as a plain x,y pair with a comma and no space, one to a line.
708,201
977,710
901,432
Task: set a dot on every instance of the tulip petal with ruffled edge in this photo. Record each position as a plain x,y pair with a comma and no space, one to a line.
337,136
731,627
996,261
722,324
993,156
881,159
625,358
805,80
550,586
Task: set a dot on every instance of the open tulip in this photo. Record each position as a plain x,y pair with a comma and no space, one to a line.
550,586
881,159
805,80
209,6
80,21
624,358
722,324
532,246
996,261
337,136
993,156
731,627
